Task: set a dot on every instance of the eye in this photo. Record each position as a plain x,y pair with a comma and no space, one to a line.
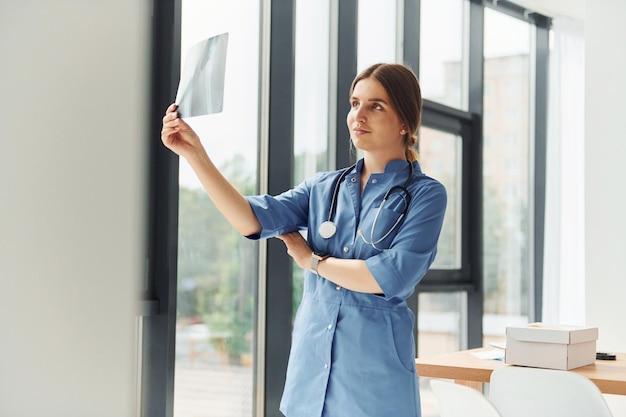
377,106
354,104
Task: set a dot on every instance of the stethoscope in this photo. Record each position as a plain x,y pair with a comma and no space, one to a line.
328,228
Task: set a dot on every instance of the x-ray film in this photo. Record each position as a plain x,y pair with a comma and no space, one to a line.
201,86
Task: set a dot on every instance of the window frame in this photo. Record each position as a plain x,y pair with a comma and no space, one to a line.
158,316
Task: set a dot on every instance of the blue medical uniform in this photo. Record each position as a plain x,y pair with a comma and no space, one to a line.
352,353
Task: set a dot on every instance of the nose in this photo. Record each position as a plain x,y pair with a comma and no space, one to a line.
359,114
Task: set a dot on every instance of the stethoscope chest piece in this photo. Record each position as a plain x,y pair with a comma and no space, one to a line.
327,229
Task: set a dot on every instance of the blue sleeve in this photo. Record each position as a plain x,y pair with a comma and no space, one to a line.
284,213
399,268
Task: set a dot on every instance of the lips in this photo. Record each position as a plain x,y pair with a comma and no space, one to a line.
359,130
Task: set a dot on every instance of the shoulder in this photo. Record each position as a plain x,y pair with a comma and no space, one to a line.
323,179
425,183
429,189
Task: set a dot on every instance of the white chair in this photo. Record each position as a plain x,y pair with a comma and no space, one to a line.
616,403
520,391
457,400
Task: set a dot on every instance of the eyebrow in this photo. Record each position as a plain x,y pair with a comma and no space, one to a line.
371,99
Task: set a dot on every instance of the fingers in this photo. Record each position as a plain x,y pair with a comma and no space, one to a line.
171,122
290,237
285,236
297,248
170,115
166,132
177,135
294,241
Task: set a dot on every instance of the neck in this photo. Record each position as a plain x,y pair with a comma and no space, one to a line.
375,164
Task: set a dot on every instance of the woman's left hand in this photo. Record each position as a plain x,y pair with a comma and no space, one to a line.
351,274
297,248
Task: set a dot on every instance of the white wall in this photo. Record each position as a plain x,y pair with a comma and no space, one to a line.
605,170
73,100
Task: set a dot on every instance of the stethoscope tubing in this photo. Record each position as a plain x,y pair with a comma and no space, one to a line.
327,229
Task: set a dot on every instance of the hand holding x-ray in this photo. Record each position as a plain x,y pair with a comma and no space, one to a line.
201,87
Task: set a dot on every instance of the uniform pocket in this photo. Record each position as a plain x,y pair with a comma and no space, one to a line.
402,322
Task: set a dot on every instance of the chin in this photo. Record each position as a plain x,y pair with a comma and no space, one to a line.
358,144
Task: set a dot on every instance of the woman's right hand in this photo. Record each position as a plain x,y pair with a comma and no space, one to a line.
177,135
182,140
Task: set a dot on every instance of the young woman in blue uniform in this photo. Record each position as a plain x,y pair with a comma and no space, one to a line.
372,232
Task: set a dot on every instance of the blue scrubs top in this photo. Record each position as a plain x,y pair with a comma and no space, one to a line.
352,353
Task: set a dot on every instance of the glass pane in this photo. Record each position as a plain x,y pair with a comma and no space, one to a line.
440,158
376,42
441,323
377,25
311,88
441,329
443,69
506,176
311,101
217,268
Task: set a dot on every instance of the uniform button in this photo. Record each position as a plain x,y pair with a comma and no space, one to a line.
374,181
325,366
338,288
330,326
353,179
346,249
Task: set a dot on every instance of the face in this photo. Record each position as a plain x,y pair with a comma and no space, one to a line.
374,124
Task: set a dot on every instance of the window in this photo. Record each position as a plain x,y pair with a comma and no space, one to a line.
441,322
311,94
377,42
223,350
217,267
443,63
440,157
507,192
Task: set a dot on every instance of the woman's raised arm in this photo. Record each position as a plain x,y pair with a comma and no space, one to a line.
180,138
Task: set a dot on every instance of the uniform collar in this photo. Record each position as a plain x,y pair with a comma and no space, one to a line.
397,165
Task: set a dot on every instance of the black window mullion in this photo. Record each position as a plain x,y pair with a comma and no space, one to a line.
473,182
159,317
410,56
346,71
279,291
541,129
411,35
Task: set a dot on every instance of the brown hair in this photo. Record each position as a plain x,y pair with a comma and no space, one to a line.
405,94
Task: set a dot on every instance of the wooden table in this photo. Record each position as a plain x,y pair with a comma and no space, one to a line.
467,369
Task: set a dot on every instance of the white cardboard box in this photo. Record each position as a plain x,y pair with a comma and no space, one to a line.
551,346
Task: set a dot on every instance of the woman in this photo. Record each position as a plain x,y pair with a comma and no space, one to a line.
372,232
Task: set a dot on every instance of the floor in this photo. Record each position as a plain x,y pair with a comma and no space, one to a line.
207,386
226,391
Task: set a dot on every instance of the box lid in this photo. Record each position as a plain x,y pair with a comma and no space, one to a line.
553,333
